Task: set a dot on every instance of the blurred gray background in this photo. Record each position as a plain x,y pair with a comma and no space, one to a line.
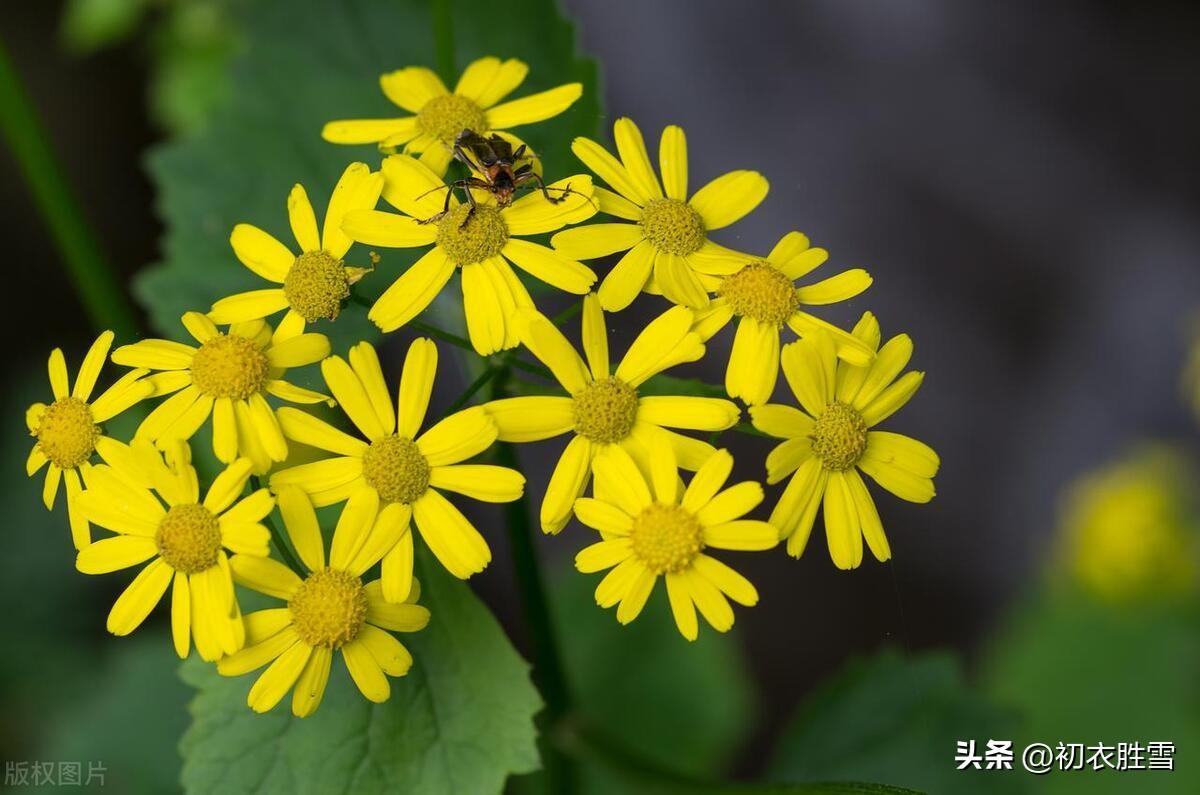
1020,179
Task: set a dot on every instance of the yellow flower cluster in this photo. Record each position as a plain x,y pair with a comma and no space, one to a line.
396,465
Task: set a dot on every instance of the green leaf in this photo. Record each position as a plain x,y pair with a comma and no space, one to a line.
1087,672
298,71
897,719
90,25
693,701
130,719
460,721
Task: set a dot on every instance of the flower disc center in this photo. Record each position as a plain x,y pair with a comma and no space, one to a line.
67,432
761,292
229,366
329,608
446,116
470,236
316,285
189,538
605,410
839,437
666,538
395,468
673,226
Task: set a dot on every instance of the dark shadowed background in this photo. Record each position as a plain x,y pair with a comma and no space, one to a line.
1020,178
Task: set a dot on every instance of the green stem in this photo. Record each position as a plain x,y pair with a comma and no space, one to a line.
548,670
285,549
98,287
568,313
476,385
443,40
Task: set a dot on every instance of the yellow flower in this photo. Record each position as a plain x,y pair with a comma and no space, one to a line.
330,609
398,473
229,376
315,282
68,430
440,115
764,299
829,441
602,408
650,529
668,247
477,242
186,537
1129,531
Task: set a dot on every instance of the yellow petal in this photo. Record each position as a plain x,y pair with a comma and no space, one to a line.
412,87
457,437
682,607
597,240
728,581
248,306
413,291
868,516
89,371
350,393
396,571
673,163
549,266
264,575
782,422
692,413
632,149
483,482
609,169
274,683
136,601
378,228
628,277
709,601
707,481
548,344
535,107
846,284
115,553
505,79
841,524
310,686
388,653
729,197
566,483
356,189
364,361
678,282
450,536
57,367
300,522
369,131
531,419
302,427
416,386
261,253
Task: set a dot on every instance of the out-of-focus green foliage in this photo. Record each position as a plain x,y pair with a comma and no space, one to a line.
1086,671
895,718
189,43
460,721
683,706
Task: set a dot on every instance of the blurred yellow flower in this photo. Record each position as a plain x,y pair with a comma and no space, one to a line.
328,610
667,242
228,377
313,283
399,473
602,407
480,241
830,440
762,296
440,115
1130,530
69,430
154,507
653,528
